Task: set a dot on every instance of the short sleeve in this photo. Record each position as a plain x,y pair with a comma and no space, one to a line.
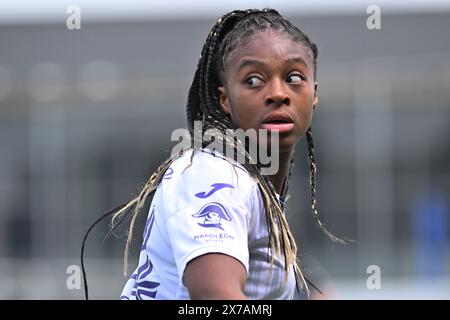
215,217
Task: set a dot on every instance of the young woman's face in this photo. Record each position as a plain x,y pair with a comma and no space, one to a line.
269,84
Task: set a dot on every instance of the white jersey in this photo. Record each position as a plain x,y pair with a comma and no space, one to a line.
211,207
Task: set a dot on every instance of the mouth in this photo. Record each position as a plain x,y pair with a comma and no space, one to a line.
278,121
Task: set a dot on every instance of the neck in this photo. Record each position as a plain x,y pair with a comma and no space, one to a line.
278,178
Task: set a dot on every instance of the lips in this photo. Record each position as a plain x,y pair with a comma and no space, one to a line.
279,121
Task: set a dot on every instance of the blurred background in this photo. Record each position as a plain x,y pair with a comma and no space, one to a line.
86,116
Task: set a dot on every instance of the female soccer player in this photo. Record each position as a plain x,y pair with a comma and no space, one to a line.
216,227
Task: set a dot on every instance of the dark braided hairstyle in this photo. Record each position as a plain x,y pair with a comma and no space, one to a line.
231,31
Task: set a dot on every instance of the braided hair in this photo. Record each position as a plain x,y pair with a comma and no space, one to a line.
231,31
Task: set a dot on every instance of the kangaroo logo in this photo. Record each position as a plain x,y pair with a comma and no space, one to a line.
212,213
215,187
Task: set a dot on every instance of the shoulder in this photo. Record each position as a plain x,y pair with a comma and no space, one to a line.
207,165
208,177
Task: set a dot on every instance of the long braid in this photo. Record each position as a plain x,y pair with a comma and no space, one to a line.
312,183
284,197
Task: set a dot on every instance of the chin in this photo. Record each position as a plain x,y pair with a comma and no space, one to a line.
285,147
286,143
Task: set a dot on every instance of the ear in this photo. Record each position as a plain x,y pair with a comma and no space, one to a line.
316,97
224,101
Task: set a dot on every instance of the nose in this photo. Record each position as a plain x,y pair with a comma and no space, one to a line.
277,94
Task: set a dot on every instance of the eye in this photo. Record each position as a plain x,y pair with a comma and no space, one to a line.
295,78
254,81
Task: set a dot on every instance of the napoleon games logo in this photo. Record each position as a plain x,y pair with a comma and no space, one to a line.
212,214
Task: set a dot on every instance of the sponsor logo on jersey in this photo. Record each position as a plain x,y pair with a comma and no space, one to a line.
213,236
215,187
211,215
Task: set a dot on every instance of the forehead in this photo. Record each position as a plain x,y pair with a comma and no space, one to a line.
272,46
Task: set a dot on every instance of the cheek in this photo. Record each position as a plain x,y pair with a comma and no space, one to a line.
241,110
309,110
305,112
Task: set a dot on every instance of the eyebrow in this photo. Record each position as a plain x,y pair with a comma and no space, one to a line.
297,60
254,62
